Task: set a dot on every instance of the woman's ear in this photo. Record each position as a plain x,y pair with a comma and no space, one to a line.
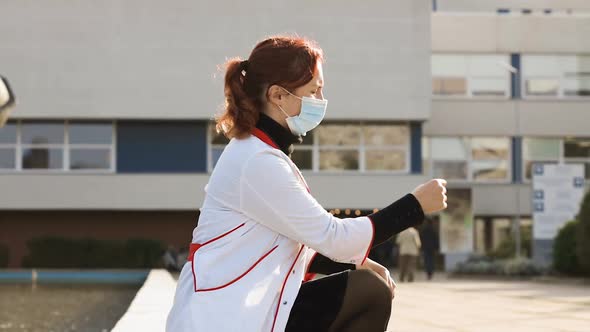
275,95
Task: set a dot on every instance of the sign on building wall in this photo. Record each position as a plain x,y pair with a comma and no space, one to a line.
557,194
456,223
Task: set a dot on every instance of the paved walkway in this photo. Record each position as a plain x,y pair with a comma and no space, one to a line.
440,305
471,305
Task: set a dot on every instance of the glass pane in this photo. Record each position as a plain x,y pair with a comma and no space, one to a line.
449,148
450,170
215,154
90,159
490,169
335,134
488,65
217,138
528,166
302,158
386,134
8,158
489,86
542,87
385,160
449,86
490,148
8,133
541,148
541,65
42,158
90,133
449,65
339,160
42,133
579,86
577,148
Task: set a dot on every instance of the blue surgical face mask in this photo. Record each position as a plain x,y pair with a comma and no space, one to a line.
312,113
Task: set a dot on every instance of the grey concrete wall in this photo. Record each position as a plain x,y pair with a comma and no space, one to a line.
158,60
500,117
491,33
181,191
492,5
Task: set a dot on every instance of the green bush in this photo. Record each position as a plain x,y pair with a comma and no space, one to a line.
565,259
482,265
583,235
507,248
4,255
56,252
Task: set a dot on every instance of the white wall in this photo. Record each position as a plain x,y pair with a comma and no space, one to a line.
157,59
493,5
491,33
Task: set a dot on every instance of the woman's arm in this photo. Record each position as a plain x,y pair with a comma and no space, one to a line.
400,215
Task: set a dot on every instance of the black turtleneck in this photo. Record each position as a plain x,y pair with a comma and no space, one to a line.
279,134
404,213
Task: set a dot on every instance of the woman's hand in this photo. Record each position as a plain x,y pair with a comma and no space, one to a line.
432,195
381,271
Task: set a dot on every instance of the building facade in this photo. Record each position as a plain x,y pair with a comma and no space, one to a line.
113,133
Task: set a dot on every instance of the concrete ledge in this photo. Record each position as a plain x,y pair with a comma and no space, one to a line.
149,309
74,276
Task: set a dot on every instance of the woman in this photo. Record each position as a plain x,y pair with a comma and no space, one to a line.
261,232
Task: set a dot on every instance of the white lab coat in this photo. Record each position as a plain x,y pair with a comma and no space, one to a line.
259,228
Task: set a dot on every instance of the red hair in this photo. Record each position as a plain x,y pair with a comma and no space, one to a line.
286,61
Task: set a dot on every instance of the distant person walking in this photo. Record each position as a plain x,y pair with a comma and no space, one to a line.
409,248
429,238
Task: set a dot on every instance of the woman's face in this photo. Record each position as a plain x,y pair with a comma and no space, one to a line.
291,104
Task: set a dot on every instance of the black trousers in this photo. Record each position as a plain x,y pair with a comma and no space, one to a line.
318,303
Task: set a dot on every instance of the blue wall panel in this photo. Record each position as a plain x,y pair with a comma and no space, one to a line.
161,147
416,147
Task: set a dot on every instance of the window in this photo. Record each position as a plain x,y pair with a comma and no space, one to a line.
342,147
575,150
545,150
302,155
42,145
449,158
8,146
90,145
368,147
481,159
218,142
490,158
57,146
556,76
456,75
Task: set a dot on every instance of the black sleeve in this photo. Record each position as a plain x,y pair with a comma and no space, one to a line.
324,265
404,213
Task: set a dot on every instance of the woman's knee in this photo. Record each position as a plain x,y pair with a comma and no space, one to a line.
375,288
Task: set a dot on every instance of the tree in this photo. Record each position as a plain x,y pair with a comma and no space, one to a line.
583,235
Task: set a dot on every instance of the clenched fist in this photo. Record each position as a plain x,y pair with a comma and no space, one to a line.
432,195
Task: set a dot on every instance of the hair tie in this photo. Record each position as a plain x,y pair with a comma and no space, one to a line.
244,66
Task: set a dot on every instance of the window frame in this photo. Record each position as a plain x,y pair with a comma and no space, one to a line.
560,79
65,148
470,77
469,160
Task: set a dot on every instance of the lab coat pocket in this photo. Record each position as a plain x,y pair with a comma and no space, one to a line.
222,263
